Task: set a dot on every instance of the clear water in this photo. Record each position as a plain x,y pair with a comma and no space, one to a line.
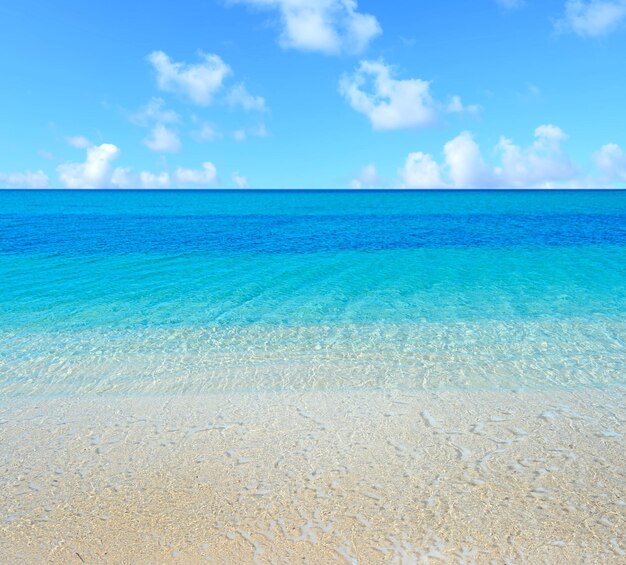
178,292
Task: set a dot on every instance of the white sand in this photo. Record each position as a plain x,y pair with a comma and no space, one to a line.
528,477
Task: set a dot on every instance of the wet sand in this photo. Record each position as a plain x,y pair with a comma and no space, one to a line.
312,477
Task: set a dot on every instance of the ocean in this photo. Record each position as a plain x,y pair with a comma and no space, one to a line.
467,347
404,281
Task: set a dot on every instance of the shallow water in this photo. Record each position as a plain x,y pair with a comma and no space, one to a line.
358,377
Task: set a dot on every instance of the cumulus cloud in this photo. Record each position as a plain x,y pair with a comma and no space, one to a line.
391,103
239,180
198,82
421,171
592,18
611,160
465,163
97,171
163,140
367,178
326,26
24,179
239,96
154,180
543,164
123,177
206,176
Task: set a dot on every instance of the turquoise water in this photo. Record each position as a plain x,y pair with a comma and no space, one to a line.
178,292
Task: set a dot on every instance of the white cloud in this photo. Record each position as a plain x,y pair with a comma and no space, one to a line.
154,112
95,172
98,172
154,180
466,166
259,131
533,90
611,160
206,132
421,171
47,155
206,176
198,82
592,18
122,177
456,106
326,26
367,178
239,180
239,96
391,103
543,164
78,141
25,179
511,4
163,140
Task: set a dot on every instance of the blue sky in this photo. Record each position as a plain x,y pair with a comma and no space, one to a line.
313,93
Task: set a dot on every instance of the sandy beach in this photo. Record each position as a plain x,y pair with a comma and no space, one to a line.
353,477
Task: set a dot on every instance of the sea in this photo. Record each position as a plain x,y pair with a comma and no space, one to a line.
468,347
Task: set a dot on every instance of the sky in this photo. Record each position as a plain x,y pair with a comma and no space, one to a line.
313,94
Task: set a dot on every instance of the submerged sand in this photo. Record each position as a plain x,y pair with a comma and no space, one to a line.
343,477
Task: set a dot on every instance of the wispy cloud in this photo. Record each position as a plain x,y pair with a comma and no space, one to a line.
592,18
239,96
239,180
205,132
511,4
163,140
611,160
154,111
367,178
25,179
78,141
155,115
